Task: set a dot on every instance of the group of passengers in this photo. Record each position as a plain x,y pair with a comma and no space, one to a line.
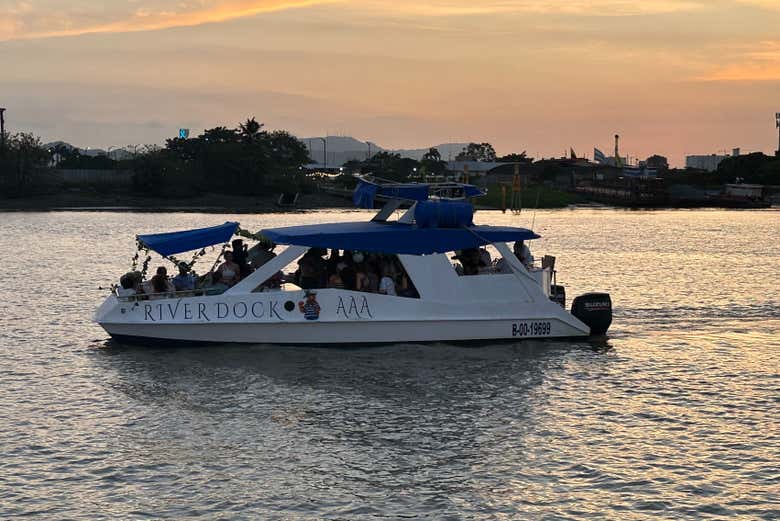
354,271
351,270
237,263
477,261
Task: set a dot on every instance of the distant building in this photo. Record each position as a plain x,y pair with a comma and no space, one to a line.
472,168
709,163
656,162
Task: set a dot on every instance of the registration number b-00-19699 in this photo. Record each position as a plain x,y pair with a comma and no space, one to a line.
531,329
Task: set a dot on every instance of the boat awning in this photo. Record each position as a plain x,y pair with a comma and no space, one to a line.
188,240
366,191
394,237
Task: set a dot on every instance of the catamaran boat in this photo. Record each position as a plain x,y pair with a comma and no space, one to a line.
507,299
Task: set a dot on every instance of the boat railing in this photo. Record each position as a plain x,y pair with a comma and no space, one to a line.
201,292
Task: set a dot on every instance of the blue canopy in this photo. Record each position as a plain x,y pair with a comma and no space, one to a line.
394,237
366,191
177,242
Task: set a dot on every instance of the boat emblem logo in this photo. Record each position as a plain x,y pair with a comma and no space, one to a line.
310,307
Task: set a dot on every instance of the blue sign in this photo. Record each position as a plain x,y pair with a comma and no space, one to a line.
184,133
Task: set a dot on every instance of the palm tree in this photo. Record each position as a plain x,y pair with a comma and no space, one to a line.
250,129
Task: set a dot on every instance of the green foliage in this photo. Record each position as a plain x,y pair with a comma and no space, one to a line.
432,163
246,160
21,161
477,152
514,158
751,168
75,159
755,168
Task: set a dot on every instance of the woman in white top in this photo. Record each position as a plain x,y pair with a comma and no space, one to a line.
228,273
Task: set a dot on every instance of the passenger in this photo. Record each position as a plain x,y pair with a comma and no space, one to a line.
406,288
312,268
162,277
387,285
240,257
210,285
362,282
485,261
349,276
228,273
335,281
373,277
160,285
344,261
333,262
184,281
127,286
261,253
523,253
469,259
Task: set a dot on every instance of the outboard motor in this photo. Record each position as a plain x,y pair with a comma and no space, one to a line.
594,310
558,295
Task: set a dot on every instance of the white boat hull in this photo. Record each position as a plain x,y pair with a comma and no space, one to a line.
345,318
511,306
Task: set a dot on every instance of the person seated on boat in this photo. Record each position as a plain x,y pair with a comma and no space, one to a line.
241,257
469,260
261,253
274,283
372,273
335,281
184,281
332,264
485,261
210,284
387,285
128,285
228,273
348,275
362,281
406,288
160,285
523,254
312,269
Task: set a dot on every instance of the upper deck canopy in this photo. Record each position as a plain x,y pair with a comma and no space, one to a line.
188,240
394,237
367,191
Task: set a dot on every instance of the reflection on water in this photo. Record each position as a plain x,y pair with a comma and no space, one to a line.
674,416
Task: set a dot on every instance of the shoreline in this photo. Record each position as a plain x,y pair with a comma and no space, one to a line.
229,204
206,203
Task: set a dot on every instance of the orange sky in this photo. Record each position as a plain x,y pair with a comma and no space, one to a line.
673,77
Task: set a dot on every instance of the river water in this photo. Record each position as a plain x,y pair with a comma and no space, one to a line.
674,417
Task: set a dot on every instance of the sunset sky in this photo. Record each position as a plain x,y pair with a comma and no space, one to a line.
673,77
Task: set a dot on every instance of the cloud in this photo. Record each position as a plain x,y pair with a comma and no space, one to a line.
570,7
22,20
765,4
761,63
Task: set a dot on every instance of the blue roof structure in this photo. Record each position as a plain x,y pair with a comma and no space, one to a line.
177,242
395,237
366,191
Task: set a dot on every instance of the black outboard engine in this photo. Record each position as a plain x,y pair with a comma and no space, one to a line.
594,310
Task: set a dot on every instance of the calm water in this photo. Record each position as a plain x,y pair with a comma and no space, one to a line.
675,418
